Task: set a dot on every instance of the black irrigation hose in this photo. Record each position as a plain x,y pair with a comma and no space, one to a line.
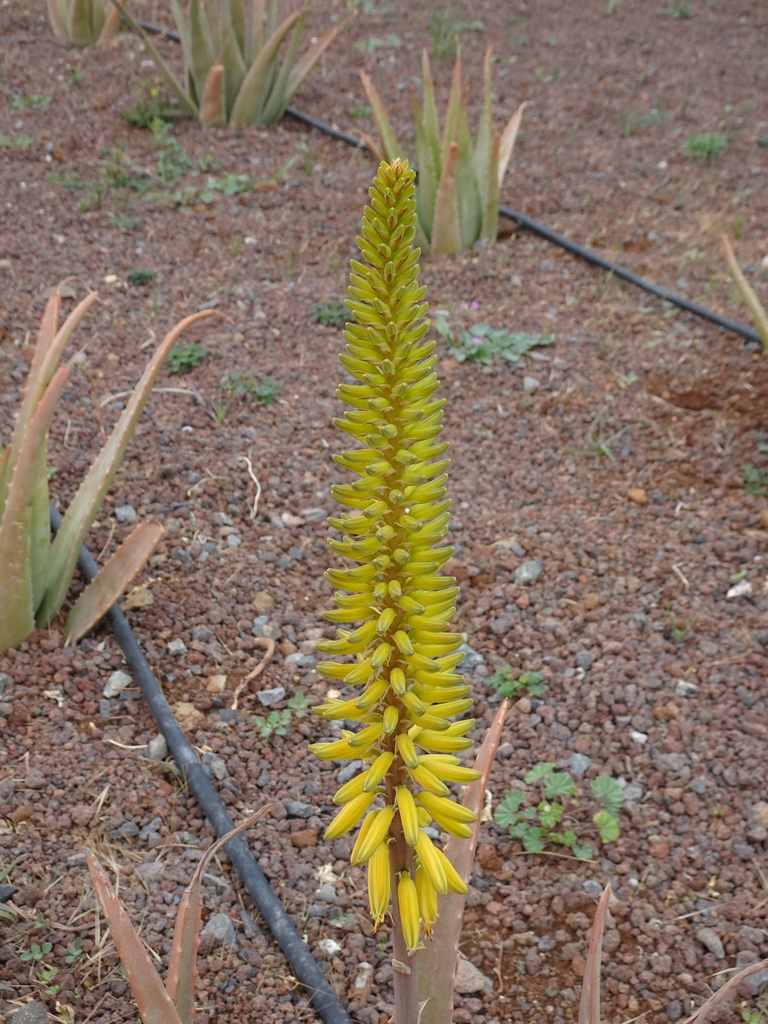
295,950
541,230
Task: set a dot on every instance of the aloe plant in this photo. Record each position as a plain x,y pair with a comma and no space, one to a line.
233,68
35,572
459,183
83,22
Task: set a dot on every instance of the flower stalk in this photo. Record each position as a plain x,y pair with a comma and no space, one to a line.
393,606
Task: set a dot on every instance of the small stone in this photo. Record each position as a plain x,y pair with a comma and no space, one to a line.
638,737
125,514
214,766
157,748
116,683
330,946
297,809
349,771
531,385
150,829
218,931
741,589
758,817
529,571
326,893
757,983
360,989
177,647
637,495
304,837
314,515
471,658
150,871
593,887
674,1010
188,716
289,519
683,688
711,941
271,697
127,830
202,634
216,684
263,602
31,1013
584,661
579,763
469,979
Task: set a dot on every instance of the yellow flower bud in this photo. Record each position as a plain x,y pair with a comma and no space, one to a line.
408,904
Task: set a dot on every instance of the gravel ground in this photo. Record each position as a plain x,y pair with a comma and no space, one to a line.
603,533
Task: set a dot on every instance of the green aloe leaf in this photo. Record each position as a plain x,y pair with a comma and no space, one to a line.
757,310
252,94
391,146
446,229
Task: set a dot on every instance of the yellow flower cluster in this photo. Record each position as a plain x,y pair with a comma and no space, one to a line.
401,651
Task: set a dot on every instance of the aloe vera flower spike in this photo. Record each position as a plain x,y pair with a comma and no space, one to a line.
393,606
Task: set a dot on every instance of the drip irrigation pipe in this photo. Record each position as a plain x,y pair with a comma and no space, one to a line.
295,950
542,231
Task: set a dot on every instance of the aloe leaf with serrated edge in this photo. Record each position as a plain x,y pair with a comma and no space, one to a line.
427,146
508,139
589,1006
756,308
25,569
90,494
446,230
277,92
252,93
112,580
392,148
437,959
213,102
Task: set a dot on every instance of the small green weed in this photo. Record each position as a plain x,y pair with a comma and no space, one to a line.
360,110
373,43
481,343
150,106
507,684
36,952
677,630
444,27
140,278
635,121
74,951
333,313
599,441
370,7
677,9
172,161
235,387
19,142
555,820
276,722
760,1014
705,147
183,358
76,76
755,480
35,102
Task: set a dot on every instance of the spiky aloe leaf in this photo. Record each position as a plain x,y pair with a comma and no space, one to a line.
392,148
81,513
446,226
152,1000
589,1006
213,101
112,580
759,314
253,91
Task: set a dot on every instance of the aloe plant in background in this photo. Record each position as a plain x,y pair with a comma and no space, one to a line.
35,572
459,183
234,71
83,22
756,308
